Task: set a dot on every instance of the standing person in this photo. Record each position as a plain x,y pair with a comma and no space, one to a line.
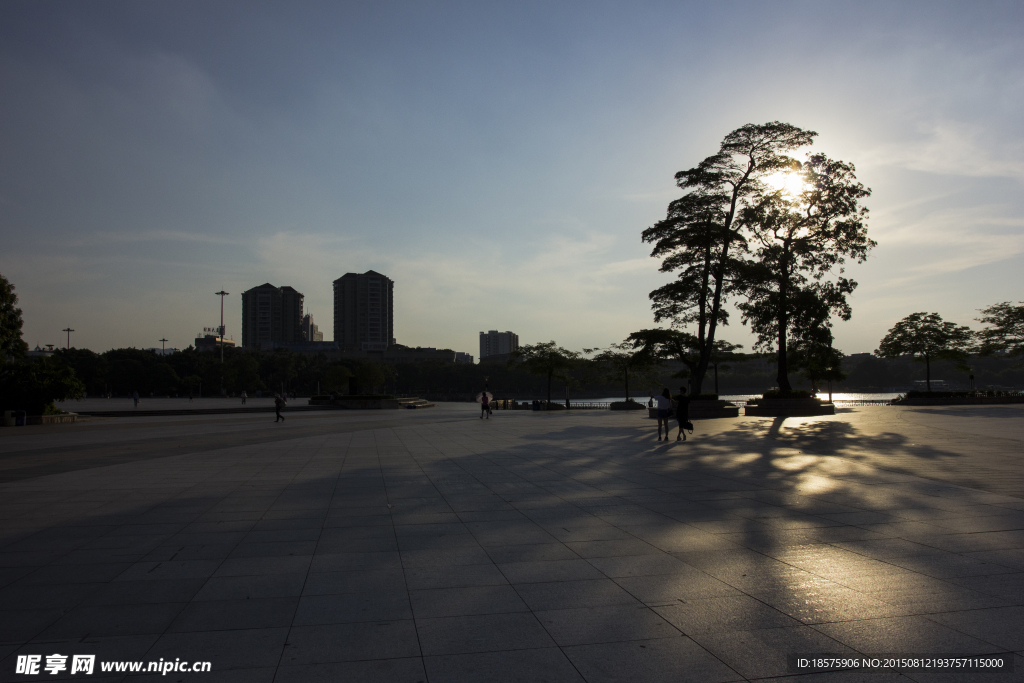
664,403
278,405
190,394
682,412
243,397
135,397
485,405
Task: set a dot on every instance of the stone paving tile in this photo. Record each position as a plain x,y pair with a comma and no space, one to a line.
404,670
546,665
467,601
114,620
604,624
730,613
666,660
481,633
762,653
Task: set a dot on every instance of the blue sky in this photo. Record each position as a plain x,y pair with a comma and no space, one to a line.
497,160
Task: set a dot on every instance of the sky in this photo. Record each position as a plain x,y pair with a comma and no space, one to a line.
497,160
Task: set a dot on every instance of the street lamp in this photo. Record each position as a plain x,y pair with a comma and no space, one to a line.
163,348
69,331
222,294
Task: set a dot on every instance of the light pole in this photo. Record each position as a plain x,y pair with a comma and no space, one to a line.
69,331
163,347
222,294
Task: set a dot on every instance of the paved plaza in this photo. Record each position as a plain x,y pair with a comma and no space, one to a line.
430,545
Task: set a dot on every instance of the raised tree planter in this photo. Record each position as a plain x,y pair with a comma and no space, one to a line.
788,407
705,410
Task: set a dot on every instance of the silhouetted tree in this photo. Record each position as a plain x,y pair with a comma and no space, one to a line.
1006,331
926,337
11,343
620,362
704,231
546,359
800,236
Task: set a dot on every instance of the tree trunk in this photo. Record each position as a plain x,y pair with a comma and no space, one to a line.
552,372
627,385
783,326
928,373
716,378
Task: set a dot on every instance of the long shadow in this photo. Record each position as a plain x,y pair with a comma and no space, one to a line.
422,552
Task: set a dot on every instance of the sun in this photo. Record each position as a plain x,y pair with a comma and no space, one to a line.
791,184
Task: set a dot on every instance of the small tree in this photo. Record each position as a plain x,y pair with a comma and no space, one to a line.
1006,331
337,378
927,337
818,362
33,385
620,362
11,343
368,376
546,359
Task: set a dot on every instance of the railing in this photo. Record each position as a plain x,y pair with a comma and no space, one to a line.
588,405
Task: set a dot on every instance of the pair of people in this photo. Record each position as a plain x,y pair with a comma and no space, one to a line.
680,405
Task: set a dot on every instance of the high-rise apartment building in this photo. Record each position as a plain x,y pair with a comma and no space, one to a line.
310,331
364,312
496,343
271,315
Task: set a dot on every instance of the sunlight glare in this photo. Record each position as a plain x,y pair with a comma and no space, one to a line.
791,184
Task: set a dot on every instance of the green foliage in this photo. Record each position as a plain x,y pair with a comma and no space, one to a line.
926,337
337,377
817,361
1006,329
368,376
33,385
622,362
11,343
546,359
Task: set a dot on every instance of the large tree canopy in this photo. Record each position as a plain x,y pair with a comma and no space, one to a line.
703,235
1006,328
801,231
927,337
11,343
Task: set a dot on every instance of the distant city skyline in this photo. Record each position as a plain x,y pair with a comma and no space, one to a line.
499,161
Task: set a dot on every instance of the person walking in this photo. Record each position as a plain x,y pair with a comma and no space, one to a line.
682,412
135,397
485,405
279,403
190,395
664,405
244,396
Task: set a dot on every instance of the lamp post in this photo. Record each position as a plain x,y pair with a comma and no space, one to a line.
222,294
163,347
69,331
